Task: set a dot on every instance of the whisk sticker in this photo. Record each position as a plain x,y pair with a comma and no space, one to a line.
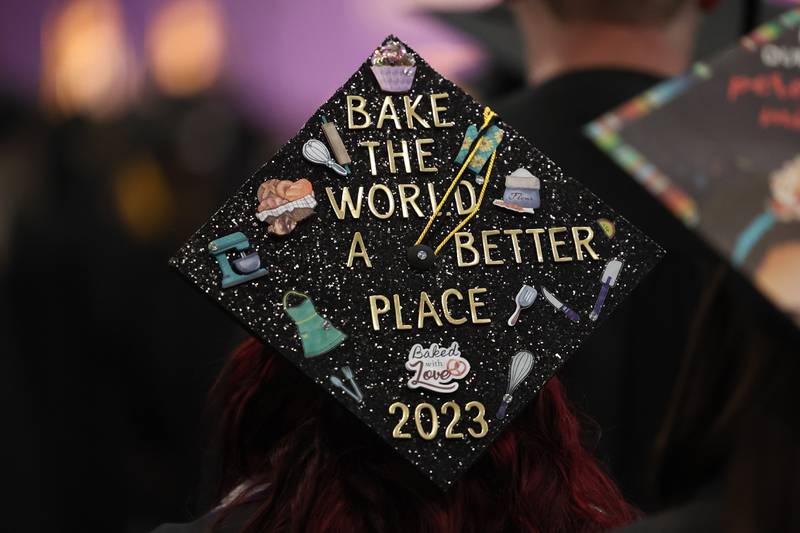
284,203
436,368
315,151
521,366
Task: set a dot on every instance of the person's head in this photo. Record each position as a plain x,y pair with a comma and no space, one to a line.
733,419
321,469
655,36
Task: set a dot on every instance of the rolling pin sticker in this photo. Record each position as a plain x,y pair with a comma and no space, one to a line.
316,151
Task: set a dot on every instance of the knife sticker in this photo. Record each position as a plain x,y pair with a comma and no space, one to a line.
555,302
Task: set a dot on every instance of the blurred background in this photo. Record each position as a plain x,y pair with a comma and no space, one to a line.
123,124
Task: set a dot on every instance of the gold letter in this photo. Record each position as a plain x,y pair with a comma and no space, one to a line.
468,245
393,155
347,201
425,301
584,242
487,247
446,308
411,112
388,104
435,108
421,154
515,242
432,196
554,244
475,304
406,200
362,103
375,312
371,200
370,145
398,309
358,240
536,232
460,204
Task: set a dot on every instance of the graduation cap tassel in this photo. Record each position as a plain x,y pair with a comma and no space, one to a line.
521,366
421,255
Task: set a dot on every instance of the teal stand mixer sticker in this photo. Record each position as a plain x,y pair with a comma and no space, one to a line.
245,268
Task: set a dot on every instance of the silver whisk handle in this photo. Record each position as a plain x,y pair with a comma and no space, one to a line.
336,167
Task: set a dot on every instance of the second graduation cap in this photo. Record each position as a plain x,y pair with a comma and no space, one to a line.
418,259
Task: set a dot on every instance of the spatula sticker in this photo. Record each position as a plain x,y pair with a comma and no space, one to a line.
524,299
436,368
607,280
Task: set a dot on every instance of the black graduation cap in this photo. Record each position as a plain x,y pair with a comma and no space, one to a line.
719,146
418,259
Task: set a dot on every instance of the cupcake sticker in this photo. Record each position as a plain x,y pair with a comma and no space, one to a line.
394,67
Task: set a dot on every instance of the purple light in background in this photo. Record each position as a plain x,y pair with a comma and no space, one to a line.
286,59
21,45
283,59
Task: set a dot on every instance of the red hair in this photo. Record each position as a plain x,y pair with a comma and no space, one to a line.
325,471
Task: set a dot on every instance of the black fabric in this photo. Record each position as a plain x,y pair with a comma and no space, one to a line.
204,524
622,377
234,521
701,515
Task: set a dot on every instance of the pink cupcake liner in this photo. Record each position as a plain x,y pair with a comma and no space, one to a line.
397,79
